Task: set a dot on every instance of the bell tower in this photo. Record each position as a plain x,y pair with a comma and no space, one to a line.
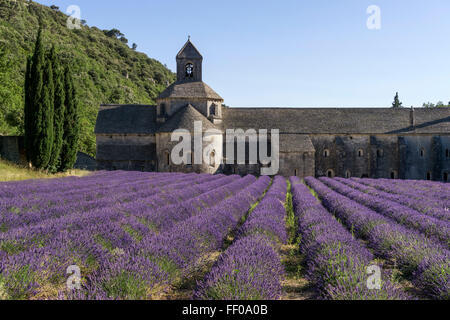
189,63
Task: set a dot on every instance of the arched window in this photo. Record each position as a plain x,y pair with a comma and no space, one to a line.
429,176
326,153
348,174
445,176
422,152
360,153
330,173
212,158
189,71
167,158
380,153
394,174
213,110
163,109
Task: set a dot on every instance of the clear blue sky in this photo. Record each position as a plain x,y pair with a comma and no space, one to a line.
294,52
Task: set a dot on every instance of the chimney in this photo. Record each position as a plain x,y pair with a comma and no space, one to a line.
412,118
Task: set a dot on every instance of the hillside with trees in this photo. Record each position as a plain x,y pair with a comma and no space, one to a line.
104,67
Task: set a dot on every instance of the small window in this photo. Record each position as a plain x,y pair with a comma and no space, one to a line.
422,152
330,173
447,153
163,110
380,153
213,110
393,174
326,153
429,176
296,173
445,176
189,71
212,158
360,153
348,174
167,155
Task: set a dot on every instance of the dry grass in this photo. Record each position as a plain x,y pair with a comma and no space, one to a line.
13,172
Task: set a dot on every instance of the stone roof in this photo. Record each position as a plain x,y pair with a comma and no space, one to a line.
123,119
338,120
189,90
189,51
296,143
140,119
85,162
432,120
184,119
119,152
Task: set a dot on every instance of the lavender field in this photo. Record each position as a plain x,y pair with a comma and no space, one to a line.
134,235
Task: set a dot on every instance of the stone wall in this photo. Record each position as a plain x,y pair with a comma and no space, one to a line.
164,150
300,164
12,149
342,155
424,157
126,152
384,157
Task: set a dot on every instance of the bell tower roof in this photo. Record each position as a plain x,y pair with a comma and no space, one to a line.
189,51
189,63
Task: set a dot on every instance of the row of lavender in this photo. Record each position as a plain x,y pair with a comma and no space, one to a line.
432,227
251,268
416,242
435,202
430,190
21,211
125,248
337,264
432,207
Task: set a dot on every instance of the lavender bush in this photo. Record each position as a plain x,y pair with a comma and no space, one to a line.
417,256
336,262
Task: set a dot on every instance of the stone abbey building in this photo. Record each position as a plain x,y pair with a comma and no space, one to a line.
347,142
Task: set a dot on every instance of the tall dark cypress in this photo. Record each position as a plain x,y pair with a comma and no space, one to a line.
28,114
35,100
59,109
71,124
45,118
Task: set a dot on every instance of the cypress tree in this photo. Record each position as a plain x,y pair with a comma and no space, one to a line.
396,103
58,115
28,114
71,124
34,87
45,118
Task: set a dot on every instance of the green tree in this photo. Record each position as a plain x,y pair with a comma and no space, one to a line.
39,96
10,98
439,104
71,124
28,111
396,103
59,109
34,83
45,118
